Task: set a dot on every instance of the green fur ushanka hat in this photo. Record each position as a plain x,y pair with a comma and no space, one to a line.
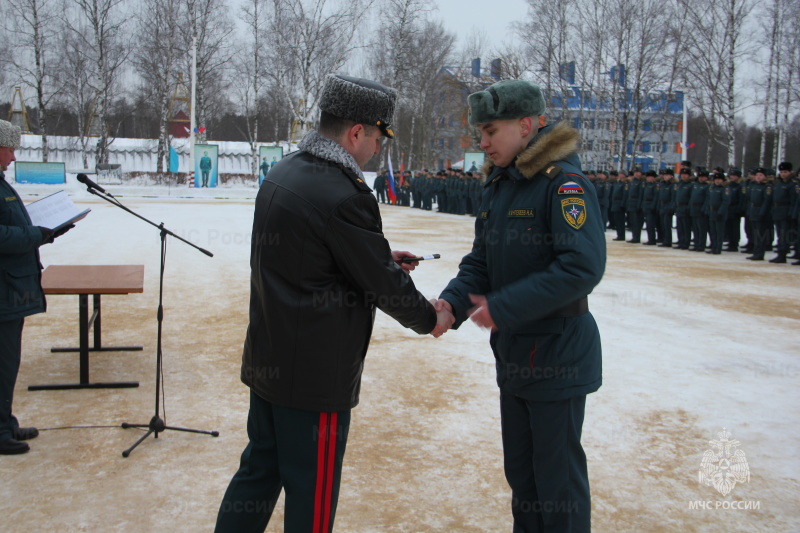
505,100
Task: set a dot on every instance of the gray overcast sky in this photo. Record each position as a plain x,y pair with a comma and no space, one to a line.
461,16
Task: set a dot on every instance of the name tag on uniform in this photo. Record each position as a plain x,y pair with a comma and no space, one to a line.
11,198
521,213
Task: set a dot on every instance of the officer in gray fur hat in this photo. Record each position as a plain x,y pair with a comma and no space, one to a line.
538,252
320,268
20,287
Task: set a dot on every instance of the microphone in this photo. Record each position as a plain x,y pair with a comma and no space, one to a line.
83,178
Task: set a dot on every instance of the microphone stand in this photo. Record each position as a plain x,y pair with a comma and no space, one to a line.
157,424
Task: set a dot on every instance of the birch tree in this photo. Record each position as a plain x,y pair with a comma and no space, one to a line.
106,50
308,40
409,61
33,23
208,20
646,72
713,59
74,71
250,79
157,57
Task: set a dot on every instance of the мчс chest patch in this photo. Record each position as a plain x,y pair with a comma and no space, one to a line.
574,211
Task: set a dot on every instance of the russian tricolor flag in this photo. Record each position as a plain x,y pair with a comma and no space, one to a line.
570,188
391,191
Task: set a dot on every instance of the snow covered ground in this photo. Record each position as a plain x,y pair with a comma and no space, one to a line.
693,343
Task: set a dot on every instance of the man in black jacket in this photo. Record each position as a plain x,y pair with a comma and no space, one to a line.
320,266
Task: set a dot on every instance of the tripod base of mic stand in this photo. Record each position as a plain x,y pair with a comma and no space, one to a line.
157,426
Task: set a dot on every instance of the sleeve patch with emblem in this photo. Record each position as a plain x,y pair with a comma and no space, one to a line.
574,211
570,187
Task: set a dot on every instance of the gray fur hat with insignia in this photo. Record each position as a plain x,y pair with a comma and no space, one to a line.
9,134
504,100
362,101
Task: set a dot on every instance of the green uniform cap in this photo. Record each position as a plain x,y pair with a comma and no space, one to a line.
505,100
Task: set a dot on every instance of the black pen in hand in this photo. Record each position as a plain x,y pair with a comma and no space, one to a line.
420,258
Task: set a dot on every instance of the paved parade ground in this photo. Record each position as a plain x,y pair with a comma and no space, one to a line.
692,344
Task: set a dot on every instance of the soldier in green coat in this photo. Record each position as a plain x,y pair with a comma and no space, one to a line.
716,209
539,250
697,201
683,195
633,205
782,200
759,194
650,206
733,224
666,205
21,293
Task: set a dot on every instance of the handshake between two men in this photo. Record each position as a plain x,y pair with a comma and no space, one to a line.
445,318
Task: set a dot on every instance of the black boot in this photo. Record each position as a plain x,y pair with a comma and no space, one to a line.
13,447
25,433
780,258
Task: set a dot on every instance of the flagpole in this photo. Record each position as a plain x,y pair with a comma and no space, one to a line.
685,139
192,120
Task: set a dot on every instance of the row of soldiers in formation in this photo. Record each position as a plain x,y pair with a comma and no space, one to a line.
708,208
453,190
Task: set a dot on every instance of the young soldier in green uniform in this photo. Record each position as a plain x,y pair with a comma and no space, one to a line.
759,193
782,199
716,209
603,195
650,206
699,218
539,250
633,205
666,205
796,219
619,189
733,224
745,208
683,195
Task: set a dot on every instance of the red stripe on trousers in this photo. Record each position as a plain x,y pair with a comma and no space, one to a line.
322,438
331,463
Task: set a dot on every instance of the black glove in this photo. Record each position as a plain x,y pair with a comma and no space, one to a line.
63,230
47,235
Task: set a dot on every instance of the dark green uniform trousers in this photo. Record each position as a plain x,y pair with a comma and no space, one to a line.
545,464
10,352
298,451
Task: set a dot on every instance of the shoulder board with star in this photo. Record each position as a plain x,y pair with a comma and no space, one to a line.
552,171
358,182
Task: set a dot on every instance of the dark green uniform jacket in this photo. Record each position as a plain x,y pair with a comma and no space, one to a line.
650,196
782,199
539,250
619,190
697,199
683,194
633,200
21,277
760,200
717,202
666,198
